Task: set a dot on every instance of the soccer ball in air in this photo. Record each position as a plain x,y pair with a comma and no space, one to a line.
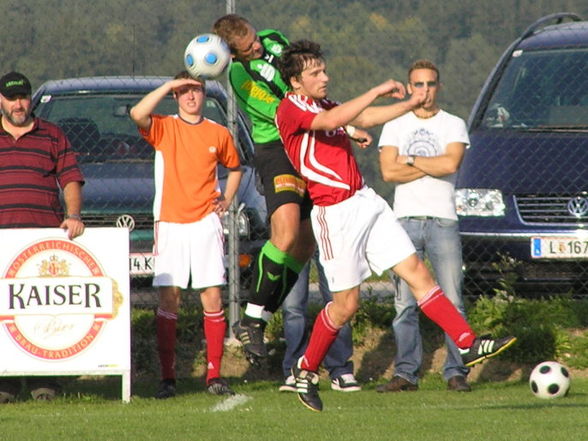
550,380
207,56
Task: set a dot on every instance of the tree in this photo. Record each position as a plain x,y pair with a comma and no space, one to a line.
467,64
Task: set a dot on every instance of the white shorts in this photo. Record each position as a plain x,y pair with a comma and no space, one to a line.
193,250
358,236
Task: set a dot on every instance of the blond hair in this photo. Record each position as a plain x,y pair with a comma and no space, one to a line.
230,26
424,64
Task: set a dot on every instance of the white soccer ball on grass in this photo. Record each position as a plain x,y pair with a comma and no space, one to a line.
550,379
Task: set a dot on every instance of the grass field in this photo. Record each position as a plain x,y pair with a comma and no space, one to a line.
92,410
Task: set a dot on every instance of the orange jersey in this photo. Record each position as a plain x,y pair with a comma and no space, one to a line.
187,155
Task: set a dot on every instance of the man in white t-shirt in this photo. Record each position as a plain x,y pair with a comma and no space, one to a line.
421,152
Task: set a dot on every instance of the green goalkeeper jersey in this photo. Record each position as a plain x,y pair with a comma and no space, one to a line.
258,86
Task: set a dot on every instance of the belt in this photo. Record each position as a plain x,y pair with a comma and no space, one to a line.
419,217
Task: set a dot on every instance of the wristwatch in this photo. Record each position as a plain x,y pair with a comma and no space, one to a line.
410,160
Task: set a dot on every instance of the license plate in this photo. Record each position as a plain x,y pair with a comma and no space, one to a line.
141,264
559,248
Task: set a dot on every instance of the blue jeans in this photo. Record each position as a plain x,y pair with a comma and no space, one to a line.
438,240
337,360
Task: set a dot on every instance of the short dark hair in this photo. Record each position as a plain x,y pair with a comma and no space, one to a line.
230,26
186,74
296,57
424,64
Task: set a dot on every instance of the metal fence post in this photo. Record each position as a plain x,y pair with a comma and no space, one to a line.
233,239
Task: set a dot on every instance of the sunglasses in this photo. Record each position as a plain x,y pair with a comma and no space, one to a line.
420,84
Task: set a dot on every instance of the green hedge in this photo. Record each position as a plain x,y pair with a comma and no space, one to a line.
547,329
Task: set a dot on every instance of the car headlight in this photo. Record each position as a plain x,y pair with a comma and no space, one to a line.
479,202
242,224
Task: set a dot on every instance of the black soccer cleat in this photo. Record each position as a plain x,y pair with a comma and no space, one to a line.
485,347
219,386
251,336
307,386
167,389
254,360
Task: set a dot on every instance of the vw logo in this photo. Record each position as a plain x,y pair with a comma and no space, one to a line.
125,221
578,206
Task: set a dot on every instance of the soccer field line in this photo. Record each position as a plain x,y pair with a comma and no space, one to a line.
230,403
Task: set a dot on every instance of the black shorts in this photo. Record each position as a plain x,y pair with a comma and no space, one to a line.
281,182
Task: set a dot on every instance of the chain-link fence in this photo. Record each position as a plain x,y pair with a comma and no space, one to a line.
528,132
528,139
118,167
523,185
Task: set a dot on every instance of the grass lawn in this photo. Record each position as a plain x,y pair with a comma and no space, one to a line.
92,410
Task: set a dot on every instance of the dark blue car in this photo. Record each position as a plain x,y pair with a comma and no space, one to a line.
522,190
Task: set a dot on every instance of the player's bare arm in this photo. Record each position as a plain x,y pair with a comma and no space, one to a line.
72,196
349,112
361,137
395,171
376,115
223,203
141,112
441,165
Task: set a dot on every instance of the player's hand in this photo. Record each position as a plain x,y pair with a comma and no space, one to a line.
180,83
221,206
391,89
418,97
74,227
362,138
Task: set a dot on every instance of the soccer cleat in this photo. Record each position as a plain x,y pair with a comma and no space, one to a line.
167,389
345,383
6,397
44,389
219,386
251,336
307,385
289,384
9,389
483,348
44,393
253,359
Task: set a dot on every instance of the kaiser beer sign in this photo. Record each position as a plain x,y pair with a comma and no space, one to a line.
64,305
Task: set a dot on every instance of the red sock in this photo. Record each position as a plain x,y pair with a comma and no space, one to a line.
323,335
215,327
438,308
166,342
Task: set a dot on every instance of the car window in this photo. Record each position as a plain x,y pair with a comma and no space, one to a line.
100,129
541,90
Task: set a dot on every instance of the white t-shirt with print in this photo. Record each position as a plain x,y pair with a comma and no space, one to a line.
426,196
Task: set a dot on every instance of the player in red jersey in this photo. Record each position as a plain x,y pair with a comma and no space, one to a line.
355,229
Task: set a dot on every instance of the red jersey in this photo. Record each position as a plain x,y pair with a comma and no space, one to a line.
33,169
323,158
